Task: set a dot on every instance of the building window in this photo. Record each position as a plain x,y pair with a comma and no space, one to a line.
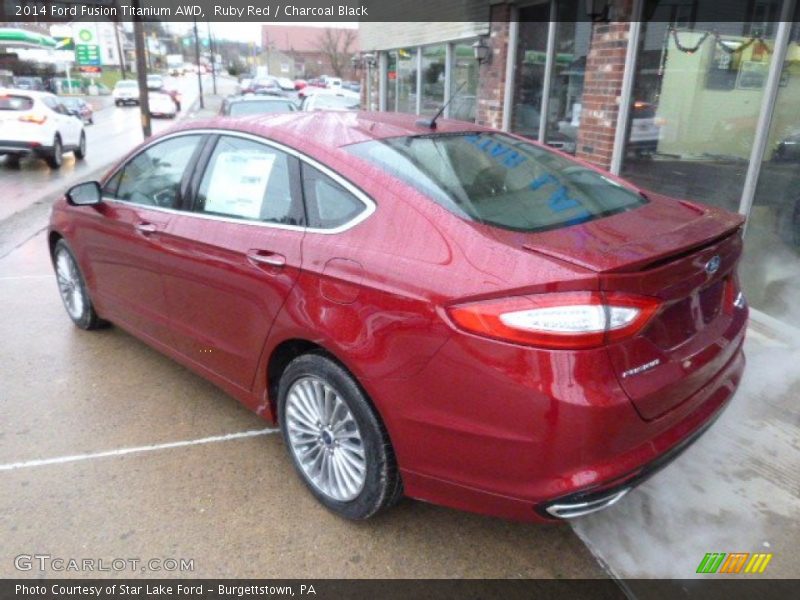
433,79
697,94
464,76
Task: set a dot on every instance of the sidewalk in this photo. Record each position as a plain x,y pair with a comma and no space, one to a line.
736,490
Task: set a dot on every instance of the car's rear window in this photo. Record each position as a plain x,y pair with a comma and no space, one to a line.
251,107
499,180
16,103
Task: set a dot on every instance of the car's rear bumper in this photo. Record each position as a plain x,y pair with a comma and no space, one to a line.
18,147
612,477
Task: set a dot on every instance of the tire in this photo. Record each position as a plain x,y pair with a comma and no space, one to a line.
12,161
72,289
80,151
56,157
352,441
117,103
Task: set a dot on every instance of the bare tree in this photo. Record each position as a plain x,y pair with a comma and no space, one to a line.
334,45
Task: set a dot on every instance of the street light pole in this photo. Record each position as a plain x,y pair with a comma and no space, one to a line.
197,59
141,73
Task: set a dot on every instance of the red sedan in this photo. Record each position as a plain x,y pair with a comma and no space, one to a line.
450,313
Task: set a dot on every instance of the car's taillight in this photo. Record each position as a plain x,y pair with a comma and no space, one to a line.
566,320
33,118
733,296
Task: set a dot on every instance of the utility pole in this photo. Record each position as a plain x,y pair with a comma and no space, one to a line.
197,58
213,61
119,51
141,73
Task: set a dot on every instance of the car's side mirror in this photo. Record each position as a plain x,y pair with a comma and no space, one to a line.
85,194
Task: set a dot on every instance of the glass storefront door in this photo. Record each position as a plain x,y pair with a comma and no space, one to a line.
530,68
401,87
464,83
433,78
566,85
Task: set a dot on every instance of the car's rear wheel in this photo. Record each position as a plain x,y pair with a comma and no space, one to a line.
56,157
72,288
335,438
80,151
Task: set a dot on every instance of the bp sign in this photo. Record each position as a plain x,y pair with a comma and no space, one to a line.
87,48
87,54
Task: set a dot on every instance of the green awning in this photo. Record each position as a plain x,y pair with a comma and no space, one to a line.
28,38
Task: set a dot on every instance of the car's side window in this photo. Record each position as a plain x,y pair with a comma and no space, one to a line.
329,204
51,103
153,177
248,180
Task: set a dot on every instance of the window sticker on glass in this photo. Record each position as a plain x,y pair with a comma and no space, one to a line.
238,183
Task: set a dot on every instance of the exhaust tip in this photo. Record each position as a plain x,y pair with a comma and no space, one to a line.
571,510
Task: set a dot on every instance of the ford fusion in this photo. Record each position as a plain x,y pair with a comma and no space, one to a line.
436,310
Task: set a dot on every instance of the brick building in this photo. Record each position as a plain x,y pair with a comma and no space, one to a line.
696,99
304,45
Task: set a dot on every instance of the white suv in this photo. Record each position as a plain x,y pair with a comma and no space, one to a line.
38,123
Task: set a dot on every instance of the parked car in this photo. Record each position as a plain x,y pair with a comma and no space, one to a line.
331,83
352,86
162,105
299,84
448,312
126,91
330,100
155,82
37,123
29,83
264,85
79,108
239,106
286,84
788,148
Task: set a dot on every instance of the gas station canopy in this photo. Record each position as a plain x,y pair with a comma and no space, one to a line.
21,37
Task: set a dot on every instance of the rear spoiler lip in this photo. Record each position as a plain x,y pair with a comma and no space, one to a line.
648,262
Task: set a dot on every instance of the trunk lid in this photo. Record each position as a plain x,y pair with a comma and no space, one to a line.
685,256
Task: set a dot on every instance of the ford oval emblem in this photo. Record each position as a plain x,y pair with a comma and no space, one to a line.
712,266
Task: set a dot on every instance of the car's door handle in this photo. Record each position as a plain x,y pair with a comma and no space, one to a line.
146,228
264,257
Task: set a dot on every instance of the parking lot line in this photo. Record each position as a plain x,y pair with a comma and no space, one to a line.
136,449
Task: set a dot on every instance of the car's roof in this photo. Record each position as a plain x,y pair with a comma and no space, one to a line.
18,92
331,129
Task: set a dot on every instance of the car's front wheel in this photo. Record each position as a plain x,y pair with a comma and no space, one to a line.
72,288
335,438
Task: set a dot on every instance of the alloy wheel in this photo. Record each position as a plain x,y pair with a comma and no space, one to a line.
69,284
325,439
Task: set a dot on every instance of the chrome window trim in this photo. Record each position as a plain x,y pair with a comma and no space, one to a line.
369,203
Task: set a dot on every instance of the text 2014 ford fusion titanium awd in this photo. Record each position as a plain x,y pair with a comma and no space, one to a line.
450,313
